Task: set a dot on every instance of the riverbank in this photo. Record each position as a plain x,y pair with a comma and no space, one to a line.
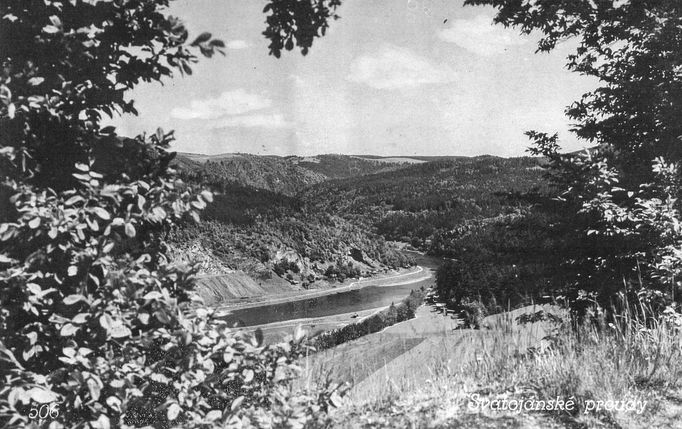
406,276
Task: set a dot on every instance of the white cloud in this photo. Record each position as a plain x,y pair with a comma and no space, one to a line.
233,102
480,36
271,120
237,44
397,68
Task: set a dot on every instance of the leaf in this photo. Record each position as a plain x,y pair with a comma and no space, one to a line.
68,330
108,247
82,167
160,378
72,271
248,375
94,388
42,396
114,403
213,415
50,29
173,411
102,422
159,212
35,81
207,196
162,317
117,384
72,299
120,331
34,223
73,200
80,318
34,288
101,213
130,230
106,322
152,295
237,403
203,37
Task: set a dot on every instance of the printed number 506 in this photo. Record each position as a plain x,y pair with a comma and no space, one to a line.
44,412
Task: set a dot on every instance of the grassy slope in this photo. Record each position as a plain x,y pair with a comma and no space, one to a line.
431,369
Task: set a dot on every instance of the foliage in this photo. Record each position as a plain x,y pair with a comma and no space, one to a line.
620,212
405,310
93,316
70,62
416,203
503,262
282,175
472,313
342,271
634,49
312,240
293,22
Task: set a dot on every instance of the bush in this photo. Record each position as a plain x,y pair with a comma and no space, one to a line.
94,320
472,313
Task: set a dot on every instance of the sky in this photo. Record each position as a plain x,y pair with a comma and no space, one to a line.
391,77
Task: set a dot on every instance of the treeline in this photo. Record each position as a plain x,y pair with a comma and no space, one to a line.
501,262
420,201
405,310
335,166
283,175
270,173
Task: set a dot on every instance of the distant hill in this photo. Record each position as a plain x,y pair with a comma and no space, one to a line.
286,175
420,200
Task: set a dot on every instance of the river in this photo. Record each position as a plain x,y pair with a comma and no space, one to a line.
365,298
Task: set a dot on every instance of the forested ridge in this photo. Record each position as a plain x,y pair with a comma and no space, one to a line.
255,224
419,201
351,219
286,175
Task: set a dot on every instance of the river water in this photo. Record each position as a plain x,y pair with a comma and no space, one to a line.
365,298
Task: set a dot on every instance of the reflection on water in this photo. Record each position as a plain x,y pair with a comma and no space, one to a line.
350,301
343,302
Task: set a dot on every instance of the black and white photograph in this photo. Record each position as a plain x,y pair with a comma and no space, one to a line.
312,214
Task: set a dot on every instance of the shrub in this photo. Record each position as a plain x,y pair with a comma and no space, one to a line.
472,313
93,317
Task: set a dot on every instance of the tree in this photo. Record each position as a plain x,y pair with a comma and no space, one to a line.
94,317
634,48
620,198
